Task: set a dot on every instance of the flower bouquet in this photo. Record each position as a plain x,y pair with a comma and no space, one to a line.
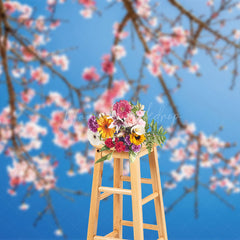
125,129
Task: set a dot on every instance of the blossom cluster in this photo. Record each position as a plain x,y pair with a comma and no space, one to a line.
125,129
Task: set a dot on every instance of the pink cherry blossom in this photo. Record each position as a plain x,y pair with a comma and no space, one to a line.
194,68
24,207
31,130
27,54
86,13
62,61
169,185
187,170
11,6
119,51
87,3
178,155
117,34
40,23
225,171
63,140
55,97
179,36
105,102
84,166
27,95
107,65
90,74
170,69
39,75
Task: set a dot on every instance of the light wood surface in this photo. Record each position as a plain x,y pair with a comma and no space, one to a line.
115,190
95,197
117,198
149,198
136,193
145,225
143,180
136,199
158,201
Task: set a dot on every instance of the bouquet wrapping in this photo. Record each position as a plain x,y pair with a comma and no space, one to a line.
124,129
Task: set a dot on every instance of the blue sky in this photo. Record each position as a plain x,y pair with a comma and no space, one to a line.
207,101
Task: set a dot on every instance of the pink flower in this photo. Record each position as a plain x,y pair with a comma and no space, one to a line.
122,108
87,3
187,170
54,24
39,75
40,24
62,61
27,95
107,65
178,155
27,54
90,74
170,69
11,7
179,36
117,34
86,13
141,122
105,102
140,113
130,120
194,68
119,51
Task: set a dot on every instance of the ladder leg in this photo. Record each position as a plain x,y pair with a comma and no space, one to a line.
158,202
136,199
95,200
117,198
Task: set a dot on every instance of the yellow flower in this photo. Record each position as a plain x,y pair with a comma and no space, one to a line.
104,122
137,139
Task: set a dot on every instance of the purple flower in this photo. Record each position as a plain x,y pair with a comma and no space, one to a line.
92,124
126,148
127,140
136,148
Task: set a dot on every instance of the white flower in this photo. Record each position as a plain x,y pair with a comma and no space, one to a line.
58,232
94,138
24,206
138,129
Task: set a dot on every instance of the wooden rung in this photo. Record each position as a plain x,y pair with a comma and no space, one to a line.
143,180
111,234
104,195
149,198
145,225
115,190
106,238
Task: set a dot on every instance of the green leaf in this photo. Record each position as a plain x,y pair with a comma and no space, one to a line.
104,148
155,127
151,124
106,157
132,156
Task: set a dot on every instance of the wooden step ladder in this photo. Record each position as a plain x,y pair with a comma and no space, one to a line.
99,193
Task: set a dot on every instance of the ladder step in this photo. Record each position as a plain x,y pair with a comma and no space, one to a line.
104,195
149,198
115,190
114,233
143,180
145,225
106,238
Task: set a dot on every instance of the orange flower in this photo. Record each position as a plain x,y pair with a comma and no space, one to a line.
104,122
